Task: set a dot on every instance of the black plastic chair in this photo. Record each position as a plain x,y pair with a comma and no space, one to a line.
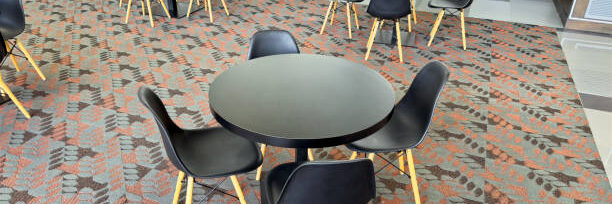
321,182
409,122
12,24
388,10
349,4
445,5
201,153
272,42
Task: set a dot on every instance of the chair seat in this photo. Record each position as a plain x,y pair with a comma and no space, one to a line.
448,4
216,152
400,133
389,9
273,183
352,1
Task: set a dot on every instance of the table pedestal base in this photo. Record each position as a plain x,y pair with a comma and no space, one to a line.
181,8
388,37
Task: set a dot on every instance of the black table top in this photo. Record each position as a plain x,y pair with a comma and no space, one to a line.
301,101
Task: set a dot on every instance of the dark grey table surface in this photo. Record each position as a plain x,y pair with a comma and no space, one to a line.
301,100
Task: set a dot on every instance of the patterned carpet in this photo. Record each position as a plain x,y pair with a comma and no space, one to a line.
509,126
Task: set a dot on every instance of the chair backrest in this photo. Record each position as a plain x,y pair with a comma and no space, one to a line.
421,98
272,42
468,3
166,126
337,182
12,18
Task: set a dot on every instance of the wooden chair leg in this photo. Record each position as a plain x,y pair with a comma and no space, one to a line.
205,5
331,3
143,7
409,24
371,157
310,155
463,30
353,156
225,7
413,179
413,12
198,3
238,189
400,159
435,27
150,13
8,91
189,196
348,19
263,154
127,15
188,8
177,189
372,36
30,59
120,3
165,8
8,49
209,11
399,40
356,19
331,23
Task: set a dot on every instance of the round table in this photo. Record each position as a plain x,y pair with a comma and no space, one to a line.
301,101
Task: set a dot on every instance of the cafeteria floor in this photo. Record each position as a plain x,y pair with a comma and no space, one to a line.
509,126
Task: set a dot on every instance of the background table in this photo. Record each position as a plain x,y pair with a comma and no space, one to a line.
301,101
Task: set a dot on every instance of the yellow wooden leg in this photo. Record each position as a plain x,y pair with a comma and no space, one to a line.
399,40
205,6
198,3
353,156
356,19
372,36
29,57
331,23
225,7
209,11
413,179
150,13
237,188
310,155
380,25
189,197
409,24
189,8
371,157
8,49
177,189
348,19
435,27
463,29
120,3
165,8
127,15
263,154
142,6
413,12
331,3
400,160
8,91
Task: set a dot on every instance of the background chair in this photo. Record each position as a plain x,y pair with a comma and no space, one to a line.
444,5
409,122
201,153
272,42
388,10
12,24
350,4
129,7
207,6
322,182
